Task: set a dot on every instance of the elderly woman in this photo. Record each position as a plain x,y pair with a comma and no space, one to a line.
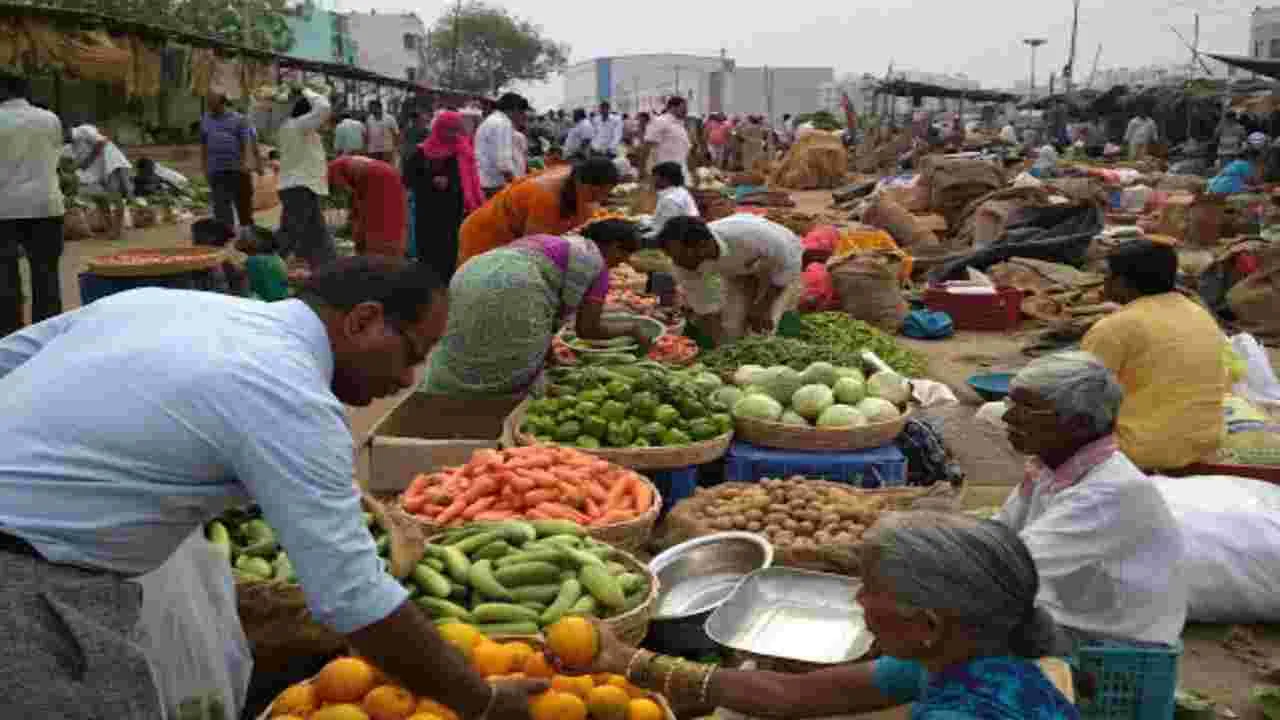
950,593
1103,539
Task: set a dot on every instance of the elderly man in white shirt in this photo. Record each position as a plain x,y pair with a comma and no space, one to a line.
759,264
580,136
1106,545
495,144
303,181
607,131
667,137
674,199
103,168
31,204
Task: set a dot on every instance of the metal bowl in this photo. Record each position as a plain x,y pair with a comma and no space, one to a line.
695,578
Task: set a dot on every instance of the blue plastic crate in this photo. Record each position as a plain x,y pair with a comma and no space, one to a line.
675,485
1116,681
880,467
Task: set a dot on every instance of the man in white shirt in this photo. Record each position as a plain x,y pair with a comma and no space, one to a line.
759,264
303,181
104,168
1105,543
495,144
607,135
31,204
674,199
348,136
580,136
667,138
1140,135
382,133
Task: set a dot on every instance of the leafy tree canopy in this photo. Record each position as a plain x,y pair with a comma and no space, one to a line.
483,48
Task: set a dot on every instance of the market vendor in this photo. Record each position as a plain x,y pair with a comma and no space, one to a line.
506,305
130,422
379,205
104,168
759,264
1168,353
674,199
551,203
1243,173
951,601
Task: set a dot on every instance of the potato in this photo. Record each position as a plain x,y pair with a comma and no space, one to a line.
740,521
776,518
754,526
754,514
790,525
806,528
830,518
773,530
785,538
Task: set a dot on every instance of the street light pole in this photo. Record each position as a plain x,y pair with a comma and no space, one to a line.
1035,44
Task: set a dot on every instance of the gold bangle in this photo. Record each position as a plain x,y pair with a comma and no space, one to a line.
706,685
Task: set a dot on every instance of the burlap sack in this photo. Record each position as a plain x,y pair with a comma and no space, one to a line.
870,289
1205,220
266,191
982,450
1256,299
886,214
1174,215
956,182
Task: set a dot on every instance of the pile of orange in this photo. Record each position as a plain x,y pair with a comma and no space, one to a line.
350,688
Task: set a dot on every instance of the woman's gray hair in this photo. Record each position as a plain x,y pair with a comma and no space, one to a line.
977,572
1078,385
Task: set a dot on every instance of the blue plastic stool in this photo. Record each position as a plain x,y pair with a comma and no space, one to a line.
880,467
675,485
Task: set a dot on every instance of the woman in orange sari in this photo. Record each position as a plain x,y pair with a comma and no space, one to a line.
552,203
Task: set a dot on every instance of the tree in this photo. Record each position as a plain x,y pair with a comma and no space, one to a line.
482,48
219,19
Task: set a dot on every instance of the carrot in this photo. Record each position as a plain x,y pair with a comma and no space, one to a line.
596,491
593,508
614,516
617,493
643,495
522,483
536,514
430,510
478,506
506,502
454,510
535,497
563,511
419,484
413,503
483,486
495,515
543,478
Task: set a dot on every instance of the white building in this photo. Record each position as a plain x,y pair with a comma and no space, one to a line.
636,83
1264,33
390,43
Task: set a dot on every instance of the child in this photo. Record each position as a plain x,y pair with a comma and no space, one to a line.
268,276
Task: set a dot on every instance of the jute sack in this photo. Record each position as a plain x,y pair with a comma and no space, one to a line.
1256,299
869,287
885,213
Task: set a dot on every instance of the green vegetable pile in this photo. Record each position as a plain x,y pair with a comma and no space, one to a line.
515,577
255,554
770,351
841,333
644,404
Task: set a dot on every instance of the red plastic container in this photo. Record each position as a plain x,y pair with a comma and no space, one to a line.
1002,311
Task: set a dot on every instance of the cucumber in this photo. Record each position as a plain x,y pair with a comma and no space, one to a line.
503,613
475,542
534,606
382,543
569,594
597,580
562,541
548,528
586,605
582,558
431,582
551,555
492,551
217,533
615,568
434,564
511,628
516,532
443,608
536,593
630,583
455,561
483,580
529,573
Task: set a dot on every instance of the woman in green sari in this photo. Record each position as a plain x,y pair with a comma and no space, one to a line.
506,305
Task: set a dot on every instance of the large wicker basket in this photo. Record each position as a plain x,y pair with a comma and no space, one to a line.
811,439
651,458
187,259
630,536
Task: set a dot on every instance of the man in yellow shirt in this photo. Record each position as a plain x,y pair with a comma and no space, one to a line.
1167,352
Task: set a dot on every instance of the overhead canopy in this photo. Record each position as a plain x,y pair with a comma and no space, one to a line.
907,88
1269,68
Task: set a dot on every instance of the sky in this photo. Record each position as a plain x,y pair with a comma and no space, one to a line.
980,38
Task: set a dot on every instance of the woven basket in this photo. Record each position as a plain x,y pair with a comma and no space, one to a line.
630,536
278,625
809,439
198,258
651,458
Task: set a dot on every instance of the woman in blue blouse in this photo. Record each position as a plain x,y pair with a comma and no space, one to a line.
951,593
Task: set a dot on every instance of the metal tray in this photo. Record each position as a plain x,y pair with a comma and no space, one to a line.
793,615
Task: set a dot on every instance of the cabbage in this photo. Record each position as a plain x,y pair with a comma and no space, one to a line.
878,410
758,407
844,372
841,416
726,397
746,375
819,373
707,382
790,417
889,386
811,401
850,390
754,390
781,383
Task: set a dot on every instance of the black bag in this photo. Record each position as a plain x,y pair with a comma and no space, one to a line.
928,460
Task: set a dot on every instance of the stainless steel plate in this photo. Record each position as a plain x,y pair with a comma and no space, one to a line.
697,575
793,615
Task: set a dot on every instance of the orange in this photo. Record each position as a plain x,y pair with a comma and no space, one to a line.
424,716
538,667
345,680
427,706
555,705
620,682
520,653
389,702
580,685
641,709
289,717
297,699
490,658
573,640
608,702
341,711
462,636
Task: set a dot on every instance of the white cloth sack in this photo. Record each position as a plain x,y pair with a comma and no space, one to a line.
1259,385
193,637
1231,536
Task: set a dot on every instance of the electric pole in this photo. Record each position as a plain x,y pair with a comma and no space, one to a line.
1069,71
1034,44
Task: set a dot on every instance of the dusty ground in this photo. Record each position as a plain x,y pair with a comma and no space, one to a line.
1207,664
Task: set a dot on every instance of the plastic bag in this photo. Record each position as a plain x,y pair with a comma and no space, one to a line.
819,290
1231,539
193,637
1259,385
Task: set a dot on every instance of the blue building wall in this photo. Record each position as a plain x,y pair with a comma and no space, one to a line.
313,36
604,79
